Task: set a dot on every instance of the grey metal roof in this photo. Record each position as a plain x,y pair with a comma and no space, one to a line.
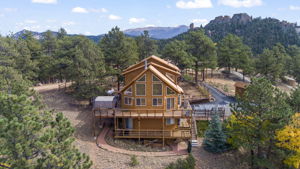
104,98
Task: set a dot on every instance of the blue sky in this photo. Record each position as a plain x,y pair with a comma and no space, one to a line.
99,16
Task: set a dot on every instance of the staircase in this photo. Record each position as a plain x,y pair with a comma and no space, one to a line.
194,140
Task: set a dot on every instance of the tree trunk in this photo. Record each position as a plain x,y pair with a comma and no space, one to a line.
252,158
212,73
243,76
203,74
118,79
196,73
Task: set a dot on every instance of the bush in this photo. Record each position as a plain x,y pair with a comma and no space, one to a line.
188,163
201,127
133,161
188,78
87,91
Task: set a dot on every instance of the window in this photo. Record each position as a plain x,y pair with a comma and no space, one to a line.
170,121
157,102
170,91
142,79
155,79
157,89
140,89
170,103
128,92
140,102
127,100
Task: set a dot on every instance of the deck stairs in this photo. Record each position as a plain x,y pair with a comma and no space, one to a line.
194,139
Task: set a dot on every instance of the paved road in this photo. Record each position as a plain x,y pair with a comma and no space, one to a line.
221,100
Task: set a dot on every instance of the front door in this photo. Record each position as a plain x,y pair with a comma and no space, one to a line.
129,123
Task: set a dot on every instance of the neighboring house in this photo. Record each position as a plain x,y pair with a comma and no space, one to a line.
151,104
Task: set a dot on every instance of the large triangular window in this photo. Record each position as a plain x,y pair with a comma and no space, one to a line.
170,91
142,79
155,79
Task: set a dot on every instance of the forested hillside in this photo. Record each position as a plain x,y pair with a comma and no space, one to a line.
257,33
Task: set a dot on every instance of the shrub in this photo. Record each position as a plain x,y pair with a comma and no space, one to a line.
201,127
188,163
188,78
133,161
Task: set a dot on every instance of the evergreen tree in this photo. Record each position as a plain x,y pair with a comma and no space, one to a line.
30,138
271,63
177,52
293,66
257,115
232,53
203,51
215,138
294,100
119,52
146,46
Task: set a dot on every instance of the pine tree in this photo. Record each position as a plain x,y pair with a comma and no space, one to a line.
203,51
146,46
294,100
215,138
257,115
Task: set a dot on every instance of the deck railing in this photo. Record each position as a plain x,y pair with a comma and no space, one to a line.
151,133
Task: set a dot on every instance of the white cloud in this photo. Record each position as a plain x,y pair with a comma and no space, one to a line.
101,10
241,3
79,10
168,6
30,21
294,8
44,1
200,21
114,17
194,4
136,20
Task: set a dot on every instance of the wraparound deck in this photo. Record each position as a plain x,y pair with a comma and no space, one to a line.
142,133
142,113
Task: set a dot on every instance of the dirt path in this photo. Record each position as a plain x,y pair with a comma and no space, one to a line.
81,119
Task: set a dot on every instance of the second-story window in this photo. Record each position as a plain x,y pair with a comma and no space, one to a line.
128,92
157,89
170,91
140,89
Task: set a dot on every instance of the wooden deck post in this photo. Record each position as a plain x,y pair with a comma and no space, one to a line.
115,123
163,128
139,121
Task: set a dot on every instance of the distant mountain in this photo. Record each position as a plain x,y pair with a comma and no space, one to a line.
154,32
158,32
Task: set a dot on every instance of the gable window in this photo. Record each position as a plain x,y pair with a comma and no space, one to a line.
128,92
142,79
179,100
140,89
170,103
127,100
170,91
157,89
155,79
170,121
140,101
157,102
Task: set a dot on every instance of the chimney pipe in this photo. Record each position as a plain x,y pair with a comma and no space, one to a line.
146,64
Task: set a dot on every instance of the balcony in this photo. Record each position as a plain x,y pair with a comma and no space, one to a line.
148,133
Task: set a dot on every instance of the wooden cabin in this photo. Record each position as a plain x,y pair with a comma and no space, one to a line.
151,105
